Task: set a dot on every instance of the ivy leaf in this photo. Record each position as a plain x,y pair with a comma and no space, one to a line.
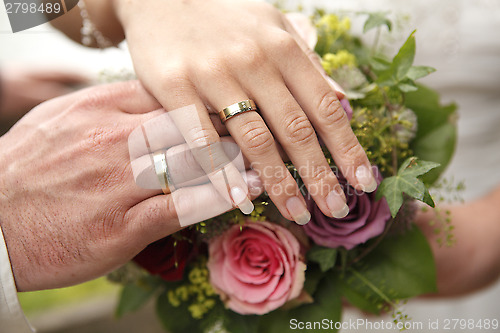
402,266
418,72
324,256
404,59
401,64
406,181
375,20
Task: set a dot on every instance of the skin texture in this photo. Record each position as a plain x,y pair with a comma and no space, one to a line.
472,262
213,56
70,210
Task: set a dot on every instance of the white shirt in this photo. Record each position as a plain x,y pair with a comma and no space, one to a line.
12,319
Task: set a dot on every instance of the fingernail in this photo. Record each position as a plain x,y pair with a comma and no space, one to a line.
347,107
335,85
366,179
241,200
337,205
298,210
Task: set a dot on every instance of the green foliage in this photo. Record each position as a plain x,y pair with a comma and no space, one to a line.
324,256
375,20
134,295
437,134
175,319
406,181
402,266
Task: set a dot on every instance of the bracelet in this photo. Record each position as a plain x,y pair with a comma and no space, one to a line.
89,31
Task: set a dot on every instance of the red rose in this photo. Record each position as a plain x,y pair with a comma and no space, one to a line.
166,259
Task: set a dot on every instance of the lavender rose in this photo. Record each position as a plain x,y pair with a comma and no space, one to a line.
366,219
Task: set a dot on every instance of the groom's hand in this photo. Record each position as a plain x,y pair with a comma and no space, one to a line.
70,209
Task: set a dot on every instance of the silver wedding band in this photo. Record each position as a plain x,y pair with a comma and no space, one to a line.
237,108
161,169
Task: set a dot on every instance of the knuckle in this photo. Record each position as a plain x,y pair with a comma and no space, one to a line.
330,110
202,137
319,173
299,130
281,182
100,138
175,78
284,42
256,137
351,149
248,53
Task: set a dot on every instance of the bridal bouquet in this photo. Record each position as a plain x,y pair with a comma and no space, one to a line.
261,273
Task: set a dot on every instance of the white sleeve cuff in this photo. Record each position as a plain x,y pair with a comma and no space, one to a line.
11,313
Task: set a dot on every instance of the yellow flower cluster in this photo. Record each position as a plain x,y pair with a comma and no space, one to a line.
332,28
198,290
340,59
332,23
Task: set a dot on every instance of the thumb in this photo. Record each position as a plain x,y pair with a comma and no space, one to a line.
163,215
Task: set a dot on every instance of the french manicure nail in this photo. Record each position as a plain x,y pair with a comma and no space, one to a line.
365,178
241,200
298,210
337,205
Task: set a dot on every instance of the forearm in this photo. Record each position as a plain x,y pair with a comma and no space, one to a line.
101,13
473,261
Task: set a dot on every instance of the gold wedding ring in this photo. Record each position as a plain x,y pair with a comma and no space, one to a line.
161,169
237,108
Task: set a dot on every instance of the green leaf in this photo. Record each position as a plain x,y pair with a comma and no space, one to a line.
431,114
356,293
327,305
228,320
404,59
402,266
313,276
436,135
400,66
133,297
439,146
379,64
415,167
417,72
175,319
407,87
375,20
324,256
406,181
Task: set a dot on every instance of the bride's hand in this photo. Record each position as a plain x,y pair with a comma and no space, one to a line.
70,209
221,52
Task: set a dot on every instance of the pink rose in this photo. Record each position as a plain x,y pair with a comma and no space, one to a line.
257,267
